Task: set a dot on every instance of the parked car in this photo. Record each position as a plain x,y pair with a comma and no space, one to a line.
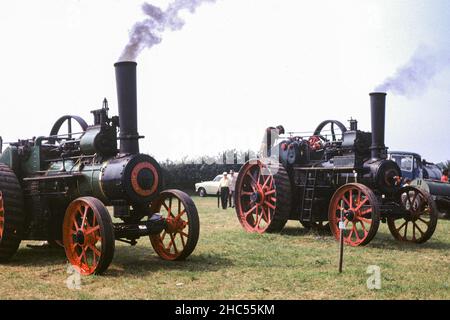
414,167
205,188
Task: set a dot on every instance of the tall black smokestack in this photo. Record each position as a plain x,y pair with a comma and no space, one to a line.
378,114
126,97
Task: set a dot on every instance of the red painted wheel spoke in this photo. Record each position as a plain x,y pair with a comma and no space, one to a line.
75,223
356,232
364,228
168,208
266,215
257,218
251,176
178,217
346,201
172,241
83,255
163,235
358,198
363,213
361,204
369,221
95,250
271,206
83,221
73,246
267,180
184,234
246,214
348,238
183,242
246,193
351,198
91,230
270,192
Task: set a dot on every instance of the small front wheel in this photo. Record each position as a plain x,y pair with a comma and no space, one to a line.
180,236
88,236
420,223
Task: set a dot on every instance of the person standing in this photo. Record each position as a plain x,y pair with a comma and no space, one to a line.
444,177
232,188
224,188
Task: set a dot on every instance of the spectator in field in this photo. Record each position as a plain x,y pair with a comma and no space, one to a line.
444,177
232,188
224,188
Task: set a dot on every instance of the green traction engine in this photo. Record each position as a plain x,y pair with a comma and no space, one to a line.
57,188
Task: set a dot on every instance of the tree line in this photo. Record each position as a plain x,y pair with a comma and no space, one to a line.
184,174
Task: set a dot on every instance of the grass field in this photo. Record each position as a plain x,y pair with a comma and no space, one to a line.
231,264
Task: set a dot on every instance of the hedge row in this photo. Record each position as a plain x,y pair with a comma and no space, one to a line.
185,174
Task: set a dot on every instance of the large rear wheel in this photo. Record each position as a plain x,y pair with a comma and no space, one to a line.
179,239
12,215
263,196
419,225
360,211
88,236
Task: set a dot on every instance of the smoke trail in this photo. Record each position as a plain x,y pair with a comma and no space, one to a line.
147,33
414,78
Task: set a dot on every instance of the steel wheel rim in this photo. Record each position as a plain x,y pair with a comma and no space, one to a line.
358,215
420,220
171,242
2,216
83,240
256,201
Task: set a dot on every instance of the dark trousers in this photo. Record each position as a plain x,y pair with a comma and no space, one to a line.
231,199
224,196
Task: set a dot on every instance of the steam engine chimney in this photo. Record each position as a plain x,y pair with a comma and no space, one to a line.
126,97
378,114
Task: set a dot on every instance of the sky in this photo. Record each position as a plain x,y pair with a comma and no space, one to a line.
237,67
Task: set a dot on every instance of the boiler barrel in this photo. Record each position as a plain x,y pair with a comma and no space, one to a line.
435,188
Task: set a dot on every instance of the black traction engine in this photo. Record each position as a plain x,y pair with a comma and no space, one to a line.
336,178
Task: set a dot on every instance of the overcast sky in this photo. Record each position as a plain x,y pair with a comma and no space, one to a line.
236,67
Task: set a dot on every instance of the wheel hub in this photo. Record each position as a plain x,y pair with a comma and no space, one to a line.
80,238
174,225
257,197
350,215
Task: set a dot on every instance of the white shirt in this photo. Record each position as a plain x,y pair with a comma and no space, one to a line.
233,182
224,182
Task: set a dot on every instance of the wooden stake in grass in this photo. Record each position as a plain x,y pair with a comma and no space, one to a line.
341,238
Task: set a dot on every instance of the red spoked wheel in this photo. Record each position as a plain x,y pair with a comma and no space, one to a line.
420,222
359,207
179,239
88,236
263,197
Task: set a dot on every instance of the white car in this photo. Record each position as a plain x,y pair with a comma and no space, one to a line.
205,188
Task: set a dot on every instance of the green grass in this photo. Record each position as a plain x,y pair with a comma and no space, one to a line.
231,264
